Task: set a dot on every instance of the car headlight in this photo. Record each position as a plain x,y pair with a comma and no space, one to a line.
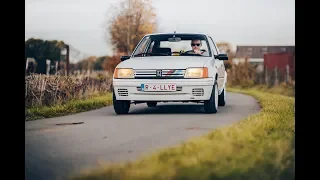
123,73
196,72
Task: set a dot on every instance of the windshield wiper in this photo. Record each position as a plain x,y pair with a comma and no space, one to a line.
161,54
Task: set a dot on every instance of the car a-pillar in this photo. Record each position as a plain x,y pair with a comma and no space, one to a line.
211,105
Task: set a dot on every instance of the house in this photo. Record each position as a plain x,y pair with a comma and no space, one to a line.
255,54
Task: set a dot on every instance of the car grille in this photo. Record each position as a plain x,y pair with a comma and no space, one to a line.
159,74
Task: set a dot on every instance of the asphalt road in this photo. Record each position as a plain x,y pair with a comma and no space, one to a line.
54,151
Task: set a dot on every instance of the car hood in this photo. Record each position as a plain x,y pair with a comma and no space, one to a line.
164,62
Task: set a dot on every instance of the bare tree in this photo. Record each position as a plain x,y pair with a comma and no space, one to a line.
129,23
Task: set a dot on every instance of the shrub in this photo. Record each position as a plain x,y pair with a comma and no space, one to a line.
242,74
246,75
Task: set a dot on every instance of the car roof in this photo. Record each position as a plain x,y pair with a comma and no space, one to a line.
181,33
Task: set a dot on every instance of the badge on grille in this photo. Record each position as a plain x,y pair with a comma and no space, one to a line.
159,73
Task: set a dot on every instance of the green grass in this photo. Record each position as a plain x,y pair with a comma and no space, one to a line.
70,107
258,147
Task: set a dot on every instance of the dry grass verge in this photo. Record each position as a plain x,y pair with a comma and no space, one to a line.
52,96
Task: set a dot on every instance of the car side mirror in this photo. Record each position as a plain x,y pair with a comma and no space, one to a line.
123,58
221,56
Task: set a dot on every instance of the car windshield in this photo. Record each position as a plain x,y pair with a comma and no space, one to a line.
173,45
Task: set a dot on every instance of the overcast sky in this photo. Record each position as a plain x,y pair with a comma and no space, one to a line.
240,22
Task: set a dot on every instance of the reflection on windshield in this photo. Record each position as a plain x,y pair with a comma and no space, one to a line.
159,45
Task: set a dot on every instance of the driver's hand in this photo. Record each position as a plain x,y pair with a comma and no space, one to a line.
197,51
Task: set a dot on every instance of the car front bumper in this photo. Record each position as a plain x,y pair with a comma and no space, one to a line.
187,90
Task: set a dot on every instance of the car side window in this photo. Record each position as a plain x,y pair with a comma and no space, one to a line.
214,49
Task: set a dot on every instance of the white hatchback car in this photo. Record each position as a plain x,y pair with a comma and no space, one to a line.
164,68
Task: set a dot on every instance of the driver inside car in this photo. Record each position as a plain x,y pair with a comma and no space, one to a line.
196,46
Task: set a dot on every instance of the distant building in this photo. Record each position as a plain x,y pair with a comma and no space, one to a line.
255,54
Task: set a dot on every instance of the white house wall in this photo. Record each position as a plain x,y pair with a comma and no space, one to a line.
258,61
253,60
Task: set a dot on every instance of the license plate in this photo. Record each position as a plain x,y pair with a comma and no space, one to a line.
158,87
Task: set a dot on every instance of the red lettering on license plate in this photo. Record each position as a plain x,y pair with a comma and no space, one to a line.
159,87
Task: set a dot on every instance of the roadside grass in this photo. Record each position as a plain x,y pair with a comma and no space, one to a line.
258,147
281,89
70,107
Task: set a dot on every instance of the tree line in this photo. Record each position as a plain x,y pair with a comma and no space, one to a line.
41,50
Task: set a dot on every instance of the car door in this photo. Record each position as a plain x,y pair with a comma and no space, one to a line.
219,64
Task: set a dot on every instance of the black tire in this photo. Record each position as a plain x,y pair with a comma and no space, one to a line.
120,107
222,98
152,104
211,105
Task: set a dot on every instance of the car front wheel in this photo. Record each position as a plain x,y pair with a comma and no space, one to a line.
120,107
211,105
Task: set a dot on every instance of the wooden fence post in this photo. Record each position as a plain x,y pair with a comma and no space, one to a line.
57,64
276,82
27,63
48,66
288,74
233,71
266,76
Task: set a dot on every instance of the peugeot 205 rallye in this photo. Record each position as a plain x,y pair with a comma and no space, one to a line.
171,67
